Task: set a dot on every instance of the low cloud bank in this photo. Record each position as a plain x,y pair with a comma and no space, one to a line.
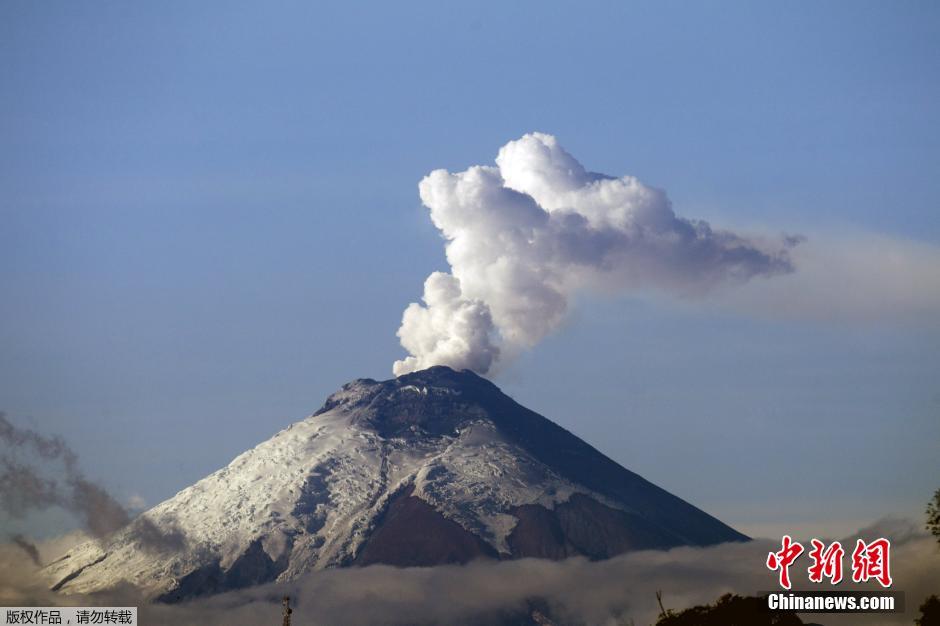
575,591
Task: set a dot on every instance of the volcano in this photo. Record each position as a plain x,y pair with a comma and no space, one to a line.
432,467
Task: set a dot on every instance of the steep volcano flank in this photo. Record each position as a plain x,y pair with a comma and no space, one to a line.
411,533
433,467
463,397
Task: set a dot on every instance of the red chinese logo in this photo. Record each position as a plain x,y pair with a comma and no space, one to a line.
869,561
783,559
826,563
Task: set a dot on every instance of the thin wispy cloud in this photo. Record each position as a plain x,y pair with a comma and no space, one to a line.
850,277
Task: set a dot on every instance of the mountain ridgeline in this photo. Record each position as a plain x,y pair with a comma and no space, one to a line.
433,467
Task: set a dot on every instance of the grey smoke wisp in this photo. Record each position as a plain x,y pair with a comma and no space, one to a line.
153,538
29,548
526,235
24,488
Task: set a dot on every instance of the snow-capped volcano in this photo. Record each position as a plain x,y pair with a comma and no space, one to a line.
433,467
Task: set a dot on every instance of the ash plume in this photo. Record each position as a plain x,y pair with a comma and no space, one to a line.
524,236
155,539
23,488
28,547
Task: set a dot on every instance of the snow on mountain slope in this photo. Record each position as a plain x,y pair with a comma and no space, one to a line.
441,450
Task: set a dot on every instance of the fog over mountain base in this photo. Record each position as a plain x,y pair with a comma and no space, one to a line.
573,591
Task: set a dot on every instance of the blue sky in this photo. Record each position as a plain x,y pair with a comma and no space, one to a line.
210,221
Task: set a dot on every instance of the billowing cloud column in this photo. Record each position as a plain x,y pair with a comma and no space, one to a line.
524,236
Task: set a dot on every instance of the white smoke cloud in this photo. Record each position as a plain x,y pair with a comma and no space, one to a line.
524,236
448,329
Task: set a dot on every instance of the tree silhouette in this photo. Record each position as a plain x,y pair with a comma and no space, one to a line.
933,515
730,610
929,612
